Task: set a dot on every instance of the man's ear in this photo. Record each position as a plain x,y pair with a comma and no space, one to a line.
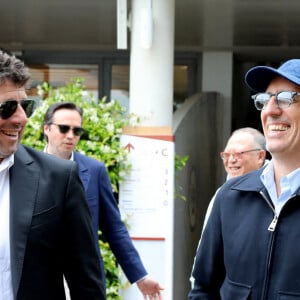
262,156
46,128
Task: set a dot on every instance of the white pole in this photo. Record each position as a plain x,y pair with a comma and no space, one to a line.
151,61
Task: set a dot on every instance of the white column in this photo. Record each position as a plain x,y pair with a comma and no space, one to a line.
151,69
217,66
151,99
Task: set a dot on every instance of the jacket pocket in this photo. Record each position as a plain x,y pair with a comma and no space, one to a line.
43,217
288,296
232,290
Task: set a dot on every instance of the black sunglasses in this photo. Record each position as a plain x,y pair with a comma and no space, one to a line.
8,108
78,131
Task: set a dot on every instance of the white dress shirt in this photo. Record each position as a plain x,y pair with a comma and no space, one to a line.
6,291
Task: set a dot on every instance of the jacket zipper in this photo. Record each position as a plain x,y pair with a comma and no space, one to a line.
273,224
271,228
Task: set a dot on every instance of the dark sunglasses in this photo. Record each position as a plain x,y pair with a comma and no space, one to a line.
8,108
78,131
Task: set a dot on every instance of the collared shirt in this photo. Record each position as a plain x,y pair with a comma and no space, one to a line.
288,185
6,291
71,158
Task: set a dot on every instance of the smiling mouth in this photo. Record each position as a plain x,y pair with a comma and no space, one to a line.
234,168
12,133
278,127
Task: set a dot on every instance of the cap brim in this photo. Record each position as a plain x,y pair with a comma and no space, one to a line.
258,78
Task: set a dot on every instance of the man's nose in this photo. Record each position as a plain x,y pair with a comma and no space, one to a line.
70,133
232,157
272,106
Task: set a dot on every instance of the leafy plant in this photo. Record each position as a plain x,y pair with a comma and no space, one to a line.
103,122
180,163
112,272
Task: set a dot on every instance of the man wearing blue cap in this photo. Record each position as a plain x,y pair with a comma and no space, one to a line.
250,246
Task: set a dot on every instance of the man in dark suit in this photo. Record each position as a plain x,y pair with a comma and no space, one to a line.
45,225
62,130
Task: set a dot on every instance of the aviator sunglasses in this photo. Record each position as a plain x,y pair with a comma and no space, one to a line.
78,131
8,108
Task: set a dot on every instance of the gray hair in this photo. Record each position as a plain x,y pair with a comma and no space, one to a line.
258,137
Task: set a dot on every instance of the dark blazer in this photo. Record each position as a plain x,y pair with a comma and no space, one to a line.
50,231
106,216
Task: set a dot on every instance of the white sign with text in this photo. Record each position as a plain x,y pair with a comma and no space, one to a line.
146,203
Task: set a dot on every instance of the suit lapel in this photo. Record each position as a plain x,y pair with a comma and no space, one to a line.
23,192
83,171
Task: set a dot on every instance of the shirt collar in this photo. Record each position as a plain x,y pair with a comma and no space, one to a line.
267,177
7,162
72,154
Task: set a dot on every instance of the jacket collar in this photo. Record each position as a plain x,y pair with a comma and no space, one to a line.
251,182
84,173
24,178
248,182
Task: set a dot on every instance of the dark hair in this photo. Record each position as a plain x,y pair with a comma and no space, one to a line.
48,118
12,69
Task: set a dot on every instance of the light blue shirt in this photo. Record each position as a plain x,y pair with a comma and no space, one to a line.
288,185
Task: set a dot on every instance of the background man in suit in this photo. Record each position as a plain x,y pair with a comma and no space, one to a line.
43,212
62,130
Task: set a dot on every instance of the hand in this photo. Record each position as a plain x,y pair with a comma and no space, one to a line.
150,289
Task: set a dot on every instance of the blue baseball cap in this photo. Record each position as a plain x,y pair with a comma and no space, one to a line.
258,78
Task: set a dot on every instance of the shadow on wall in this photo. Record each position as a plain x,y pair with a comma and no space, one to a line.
197,130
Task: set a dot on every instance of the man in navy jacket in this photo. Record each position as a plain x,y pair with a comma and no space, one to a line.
249,248
62,130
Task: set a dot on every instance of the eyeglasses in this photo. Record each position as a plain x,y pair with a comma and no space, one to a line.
8,108
236,155
78,131
283,99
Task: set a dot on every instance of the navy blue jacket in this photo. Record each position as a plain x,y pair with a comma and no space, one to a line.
106,216
242,253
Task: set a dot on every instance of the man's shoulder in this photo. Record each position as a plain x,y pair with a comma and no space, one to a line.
86,160
28,155
248,182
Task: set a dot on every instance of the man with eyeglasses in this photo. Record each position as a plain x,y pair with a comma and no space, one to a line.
62,131
245,152
250,246
42,209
